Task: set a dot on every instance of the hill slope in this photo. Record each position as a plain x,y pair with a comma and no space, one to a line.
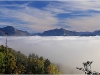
13,62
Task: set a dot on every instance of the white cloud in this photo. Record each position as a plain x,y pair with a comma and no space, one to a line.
38,19
86,5
58,7
86,23
89,22
70,6
46,18
34,18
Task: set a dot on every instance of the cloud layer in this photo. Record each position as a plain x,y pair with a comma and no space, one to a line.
68,51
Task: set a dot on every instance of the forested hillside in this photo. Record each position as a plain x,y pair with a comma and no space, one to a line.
13,62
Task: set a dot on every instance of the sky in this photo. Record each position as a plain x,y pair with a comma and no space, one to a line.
69,52
41,15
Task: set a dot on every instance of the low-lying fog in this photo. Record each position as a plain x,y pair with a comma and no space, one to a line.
68,52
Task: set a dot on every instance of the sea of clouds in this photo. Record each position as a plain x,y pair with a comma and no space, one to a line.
68,52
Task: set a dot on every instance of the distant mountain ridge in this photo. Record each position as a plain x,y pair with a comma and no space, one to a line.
54,32
64,32
13,32
59,32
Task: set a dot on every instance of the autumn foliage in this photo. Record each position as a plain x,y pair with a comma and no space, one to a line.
13,62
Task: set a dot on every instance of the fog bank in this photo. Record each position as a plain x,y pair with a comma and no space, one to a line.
69,51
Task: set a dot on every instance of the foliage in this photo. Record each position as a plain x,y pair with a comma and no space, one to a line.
1,63
13,62
7,61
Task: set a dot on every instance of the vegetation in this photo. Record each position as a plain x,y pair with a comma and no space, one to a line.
87,68
13,62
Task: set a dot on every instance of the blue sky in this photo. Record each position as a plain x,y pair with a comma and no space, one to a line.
38,16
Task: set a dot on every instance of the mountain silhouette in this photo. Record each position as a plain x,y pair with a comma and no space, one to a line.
53,32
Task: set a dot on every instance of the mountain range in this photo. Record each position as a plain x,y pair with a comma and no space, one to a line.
11,31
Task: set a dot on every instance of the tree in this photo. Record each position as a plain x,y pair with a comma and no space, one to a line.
87,68
11,64
46,64
8,61
15,62
2,68
52,69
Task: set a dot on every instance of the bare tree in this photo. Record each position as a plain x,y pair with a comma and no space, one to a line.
87,68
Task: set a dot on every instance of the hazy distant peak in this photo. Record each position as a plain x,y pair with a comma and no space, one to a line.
13,31
11,28
62,28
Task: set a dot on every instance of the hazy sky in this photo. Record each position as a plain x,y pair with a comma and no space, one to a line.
41,15
68,51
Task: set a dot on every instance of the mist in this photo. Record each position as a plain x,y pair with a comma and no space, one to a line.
68,52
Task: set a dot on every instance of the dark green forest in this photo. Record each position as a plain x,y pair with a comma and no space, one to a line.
15,62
